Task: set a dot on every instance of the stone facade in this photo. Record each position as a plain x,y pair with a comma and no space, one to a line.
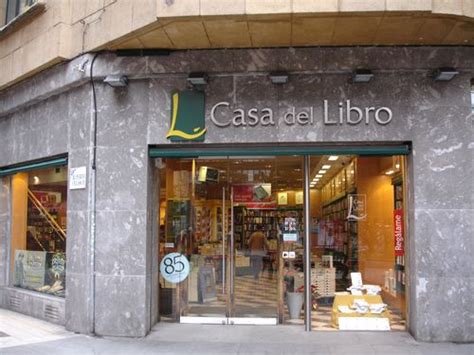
54,116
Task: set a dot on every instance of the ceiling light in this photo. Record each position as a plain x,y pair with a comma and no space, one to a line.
36,180
444,74
333,157
362,76
322,171
319,176
389,172
326,167
198,78
116,80
397,166
279,77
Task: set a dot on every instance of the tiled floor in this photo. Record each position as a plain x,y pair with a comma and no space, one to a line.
258,298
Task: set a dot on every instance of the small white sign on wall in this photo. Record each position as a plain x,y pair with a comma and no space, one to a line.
78,178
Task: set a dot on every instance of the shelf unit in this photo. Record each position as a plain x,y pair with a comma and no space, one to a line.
342,242
41,232
246,222
399,266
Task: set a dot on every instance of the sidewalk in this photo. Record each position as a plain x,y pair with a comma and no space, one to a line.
26,335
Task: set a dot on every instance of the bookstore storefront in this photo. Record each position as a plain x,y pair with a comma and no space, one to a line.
246,186
233,239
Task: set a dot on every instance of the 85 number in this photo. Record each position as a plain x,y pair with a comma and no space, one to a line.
173,265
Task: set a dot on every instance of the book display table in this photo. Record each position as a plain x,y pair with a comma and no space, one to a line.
361,321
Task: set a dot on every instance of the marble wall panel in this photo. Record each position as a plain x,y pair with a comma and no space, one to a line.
4,228
256,60
121,305
78,242
444,242
80,101
121,177
121,247
304,92
443,166
110,64
79,301
299,59
449,315
122,115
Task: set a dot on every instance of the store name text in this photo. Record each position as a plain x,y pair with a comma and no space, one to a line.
345,113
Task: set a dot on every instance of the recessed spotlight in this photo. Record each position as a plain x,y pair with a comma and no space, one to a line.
279,77
389,172
198,78
333,157
397,166
362,76
444,74
116,80
326,167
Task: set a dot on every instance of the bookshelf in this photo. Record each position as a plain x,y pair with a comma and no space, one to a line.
399,266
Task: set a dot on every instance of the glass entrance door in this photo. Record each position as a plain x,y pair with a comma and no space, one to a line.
226,216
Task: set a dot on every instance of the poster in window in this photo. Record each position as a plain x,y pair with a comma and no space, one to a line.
29,269
207,284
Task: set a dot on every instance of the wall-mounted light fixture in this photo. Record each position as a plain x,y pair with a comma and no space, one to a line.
444,74
198,78
279,77
116,80
361,76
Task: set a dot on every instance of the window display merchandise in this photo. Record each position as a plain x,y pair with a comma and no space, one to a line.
38,252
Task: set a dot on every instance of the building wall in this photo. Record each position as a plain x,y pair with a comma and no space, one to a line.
59,30
54,116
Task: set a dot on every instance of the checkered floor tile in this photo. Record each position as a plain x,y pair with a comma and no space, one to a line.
258,298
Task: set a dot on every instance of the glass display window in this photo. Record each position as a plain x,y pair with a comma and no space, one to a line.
38,230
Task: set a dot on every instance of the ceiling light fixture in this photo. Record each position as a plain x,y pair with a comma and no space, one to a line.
279,77
326,167
389,172
198,78
116,80
360,76
319,176
333,158
444,74
322,171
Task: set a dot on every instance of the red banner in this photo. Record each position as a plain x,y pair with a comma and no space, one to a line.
399,237
252,193
261,205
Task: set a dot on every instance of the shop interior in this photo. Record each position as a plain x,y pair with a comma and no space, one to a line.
239,221
38,229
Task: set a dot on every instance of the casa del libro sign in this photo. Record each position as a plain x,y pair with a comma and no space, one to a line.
188,115
346,114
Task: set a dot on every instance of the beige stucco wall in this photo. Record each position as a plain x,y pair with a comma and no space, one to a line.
67,28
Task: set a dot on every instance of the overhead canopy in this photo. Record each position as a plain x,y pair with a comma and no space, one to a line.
10,170
176,151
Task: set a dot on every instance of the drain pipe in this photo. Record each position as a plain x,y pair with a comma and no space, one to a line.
307,247
92,194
